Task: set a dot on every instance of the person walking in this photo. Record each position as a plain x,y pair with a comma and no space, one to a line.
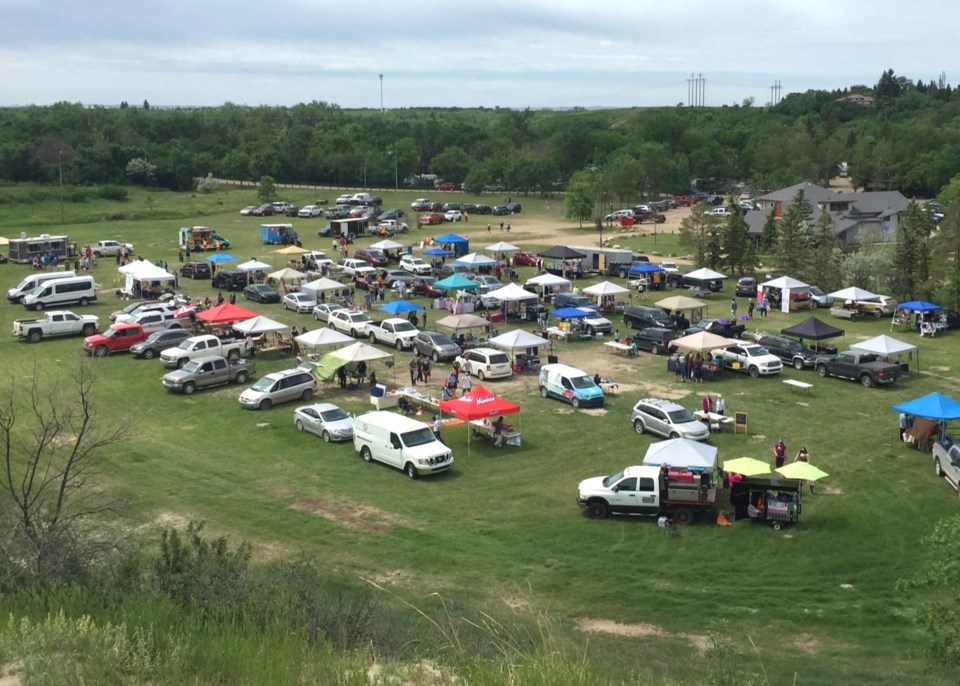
466,384
427,368
750,305
764,305
780,453
413,371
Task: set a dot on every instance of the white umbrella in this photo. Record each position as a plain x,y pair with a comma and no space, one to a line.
360,352
259,325
321,337
854,293
475,259
549,280
502,246
605,288
518,339
387,244
511,293
253,265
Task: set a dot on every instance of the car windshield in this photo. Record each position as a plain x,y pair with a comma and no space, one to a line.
192,367
109,333
757,351
264,384
185,344
418,437
582,382
816,291
439,338
404,326
614,478
334,415
681,416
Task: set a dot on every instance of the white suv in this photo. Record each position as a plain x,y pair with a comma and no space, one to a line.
353,267
352,322
667,419
415,265
485,363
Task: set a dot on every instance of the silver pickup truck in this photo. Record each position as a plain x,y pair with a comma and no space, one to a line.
209,370
56,323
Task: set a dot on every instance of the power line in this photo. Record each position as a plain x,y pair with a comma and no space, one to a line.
776,93
696,90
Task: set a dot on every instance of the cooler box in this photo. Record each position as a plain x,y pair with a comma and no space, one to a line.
681,477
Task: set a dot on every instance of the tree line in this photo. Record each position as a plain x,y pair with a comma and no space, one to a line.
909,139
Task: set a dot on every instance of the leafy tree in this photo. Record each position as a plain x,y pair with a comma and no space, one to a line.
146,105
945,247
453,164
769,235
700,234
740,255
620,177
794,236
825,255
141,171
266,189
869,267
207,184
580,197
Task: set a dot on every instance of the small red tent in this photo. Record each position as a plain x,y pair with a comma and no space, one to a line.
225,314
479,403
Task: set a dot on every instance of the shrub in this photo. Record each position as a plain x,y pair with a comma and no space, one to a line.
118,193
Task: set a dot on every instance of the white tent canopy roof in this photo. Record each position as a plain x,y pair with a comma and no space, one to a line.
704,274
141,270
502,246
680,302
682,452
462,321
387,244
785,282
548,280
258,325
884,345
854,293
518,339
253,266
702,341
320,337
360,352
511,293
286,274
605,288
323,284
475,259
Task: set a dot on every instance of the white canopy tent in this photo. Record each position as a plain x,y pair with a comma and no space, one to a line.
475,259
702,342
518,339
887,346
501,246
605,288
512,293
141,270
548,280
253,265
682,452
705,274
787,286
286,274
387,244
360,352
318,338
321,285
259,325
854,293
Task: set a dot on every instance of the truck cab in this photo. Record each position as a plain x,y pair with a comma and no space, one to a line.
647,491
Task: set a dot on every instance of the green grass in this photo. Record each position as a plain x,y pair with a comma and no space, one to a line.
503,526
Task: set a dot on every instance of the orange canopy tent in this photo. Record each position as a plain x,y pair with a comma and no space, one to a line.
225,314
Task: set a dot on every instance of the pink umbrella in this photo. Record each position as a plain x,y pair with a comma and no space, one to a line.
185,311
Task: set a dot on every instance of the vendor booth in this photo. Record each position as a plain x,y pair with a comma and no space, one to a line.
813,329
525,347
478,408
312,341
705,280
786,294
770,500
927,318
563,261
514,301
927,418
144,279
256,329
324,289
681,304
355,359
548,284
606,294
458,245
888,348
225,314
701,342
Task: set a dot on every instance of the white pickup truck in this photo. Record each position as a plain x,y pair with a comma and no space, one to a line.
198,346
56,323
749,358
111,248
395,332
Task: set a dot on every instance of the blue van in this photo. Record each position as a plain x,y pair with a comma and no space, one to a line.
570,385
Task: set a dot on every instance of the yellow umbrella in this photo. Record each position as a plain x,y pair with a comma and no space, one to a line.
748,466
801,470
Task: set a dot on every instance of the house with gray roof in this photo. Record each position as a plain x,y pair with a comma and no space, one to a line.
854,215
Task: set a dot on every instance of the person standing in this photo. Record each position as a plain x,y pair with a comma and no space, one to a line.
707,404
682,368
804,456
750,306
413,371
733,308
903,426
466,384
427,368
436,425
342,376
764,305
780,453
498,432
720,405
675,362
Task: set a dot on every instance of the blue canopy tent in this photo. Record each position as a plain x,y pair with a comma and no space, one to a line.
456,282
458,244
400,306
221,257
437,252
933,406
901,315
571,313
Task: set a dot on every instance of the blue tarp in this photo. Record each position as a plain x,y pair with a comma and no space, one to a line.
919,306
934,406
437,252
644,268
571,313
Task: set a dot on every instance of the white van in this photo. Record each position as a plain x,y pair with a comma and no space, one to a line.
79,290
31,283
400,442
569,384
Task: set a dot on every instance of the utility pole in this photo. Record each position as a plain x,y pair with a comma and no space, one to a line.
60,164
381,94
396,169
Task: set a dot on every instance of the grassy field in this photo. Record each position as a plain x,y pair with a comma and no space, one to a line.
502,530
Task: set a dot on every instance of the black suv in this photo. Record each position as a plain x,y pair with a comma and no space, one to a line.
746,287
789,351
642,317
656,339
229,280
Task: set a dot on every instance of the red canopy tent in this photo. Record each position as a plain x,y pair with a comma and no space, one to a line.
479,403
225,314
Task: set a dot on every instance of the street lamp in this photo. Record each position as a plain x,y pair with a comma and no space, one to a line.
396,169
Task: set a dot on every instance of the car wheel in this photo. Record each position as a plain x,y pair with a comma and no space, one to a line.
233,355
597,509
654,349
411,471
189,387
399,345
543,391
149,354
683,516
754,372
353,332
365,454
798,363
591,331
306,395
937,469
316,315
265,404
480,375
877,314
35,336
242,377
181,362
638,426
674,434
100,351
84,302
89,329
623,273
38,306
822,371
867,381
299,425
373,339
777,526
435,356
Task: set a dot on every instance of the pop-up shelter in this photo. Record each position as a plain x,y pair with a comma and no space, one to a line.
682,452
887,346
458,244
225,314
478,404
812,329
142,271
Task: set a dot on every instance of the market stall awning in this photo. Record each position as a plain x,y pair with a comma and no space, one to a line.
322,337
704,274
605,288
884,345
400,307
462,321
572,313
253,265
702,341
682,452
225,314
286,274
853,293
360,352
785,282
456,282
919,306
680,302
518,339
512,293
475,259
479,403
258,325
291,250
933,406
561,252
548,280
747,466
387,244
502,246
812,329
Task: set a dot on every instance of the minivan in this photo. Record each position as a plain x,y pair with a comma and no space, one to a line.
279,387
641,316
668,419
79,290
31,283
485,363
400,442
569,384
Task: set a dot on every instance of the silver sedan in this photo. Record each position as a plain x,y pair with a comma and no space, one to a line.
325,420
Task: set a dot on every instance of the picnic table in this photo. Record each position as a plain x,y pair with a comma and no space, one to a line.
479,427
716,421
618,347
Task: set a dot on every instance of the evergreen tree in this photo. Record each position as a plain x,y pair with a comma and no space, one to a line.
794,239
768,236
905,261
825,255
699,233
740,257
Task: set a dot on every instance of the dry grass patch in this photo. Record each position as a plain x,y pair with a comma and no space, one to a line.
351,515
807,643
698,642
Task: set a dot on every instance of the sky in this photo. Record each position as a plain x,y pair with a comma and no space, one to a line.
491,53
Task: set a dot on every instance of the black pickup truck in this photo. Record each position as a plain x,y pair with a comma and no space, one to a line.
862,367
720,327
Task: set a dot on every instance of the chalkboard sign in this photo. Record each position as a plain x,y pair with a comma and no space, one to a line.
740,422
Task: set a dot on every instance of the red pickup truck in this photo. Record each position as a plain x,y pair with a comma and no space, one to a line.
683,200
119,338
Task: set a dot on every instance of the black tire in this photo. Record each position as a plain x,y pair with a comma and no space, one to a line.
38,307
822,371
299,425
316,315
937,469
101,351
366,454
480,375
410,470
543,391
242,377
149,354
306,395
84,302
683,516
654,349
35,336
798,363
233,355
189,388
373,339
623,273
399,344
575,402
866,381
353,334
597,509
591,331
435,356
777,526
638,426
88,329
754,372
877,314
265,404
674,434
182,362
325,436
